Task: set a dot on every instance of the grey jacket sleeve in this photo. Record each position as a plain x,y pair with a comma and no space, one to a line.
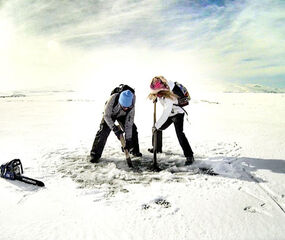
129,123
108,111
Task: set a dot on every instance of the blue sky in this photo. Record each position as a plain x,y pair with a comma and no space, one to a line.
207,41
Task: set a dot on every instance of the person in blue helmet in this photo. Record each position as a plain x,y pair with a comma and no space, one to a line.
121,108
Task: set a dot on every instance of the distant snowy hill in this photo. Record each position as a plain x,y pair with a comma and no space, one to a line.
29,93
252,88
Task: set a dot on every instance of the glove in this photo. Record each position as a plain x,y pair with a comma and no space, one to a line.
129,144
118,132
154,129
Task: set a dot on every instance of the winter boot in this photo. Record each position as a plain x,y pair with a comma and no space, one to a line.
94,158
189,161
151,150
136,154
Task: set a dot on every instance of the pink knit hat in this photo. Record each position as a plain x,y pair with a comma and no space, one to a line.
158,84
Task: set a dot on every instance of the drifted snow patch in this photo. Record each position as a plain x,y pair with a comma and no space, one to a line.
112,175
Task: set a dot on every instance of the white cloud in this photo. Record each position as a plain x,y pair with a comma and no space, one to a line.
70,42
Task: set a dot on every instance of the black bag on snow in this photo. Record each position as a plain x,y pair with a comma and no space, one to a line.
182,93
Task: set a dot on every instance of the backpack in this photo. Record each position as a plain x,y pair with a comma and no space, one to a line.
121,88
182,93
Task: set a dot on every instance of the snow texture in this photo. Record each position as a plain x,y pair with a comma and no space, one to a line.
241,137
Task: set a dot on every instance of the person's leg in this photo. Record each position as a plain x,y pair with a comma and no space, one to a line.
159,142
183,141
136,150
159,136
100,141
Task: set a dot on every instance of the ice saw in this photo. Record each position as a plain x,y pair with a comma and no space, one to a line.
13,170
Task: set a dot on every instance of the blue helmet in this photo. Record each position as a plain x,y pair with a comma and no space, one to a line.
126,98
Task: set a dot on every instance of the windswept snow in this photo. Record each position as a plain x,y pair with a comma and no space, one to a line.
241,137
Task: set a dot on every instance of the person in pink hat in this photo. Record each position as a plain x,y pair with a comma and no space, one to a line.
172,113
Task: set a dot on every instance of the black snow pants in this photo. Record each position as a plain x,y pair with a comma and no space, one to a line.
103,134
178,121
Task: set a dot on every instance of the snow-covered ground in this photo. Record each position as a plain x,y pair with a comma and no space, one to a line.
241,136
